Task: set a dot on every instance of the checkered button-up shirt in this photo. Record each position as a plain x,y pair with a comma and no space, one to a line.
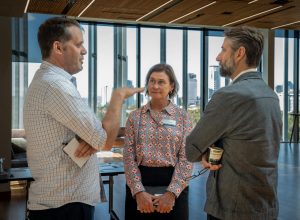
53,113
157,139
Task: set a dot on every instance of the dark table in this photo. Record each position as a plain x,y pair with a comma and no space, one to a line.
295,116
109,169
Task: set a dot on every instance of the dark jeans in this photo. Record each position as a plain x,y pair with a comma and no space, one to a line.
71,211
157,176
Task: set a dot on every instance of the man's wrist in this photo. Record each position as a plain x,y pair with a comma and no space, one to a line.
119,94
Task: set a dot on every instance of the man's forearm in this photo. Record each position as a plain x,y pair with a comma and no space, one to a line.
193,154
111,120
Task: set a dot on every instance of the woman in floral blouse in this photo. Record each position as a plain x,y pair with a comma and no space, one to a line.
154,153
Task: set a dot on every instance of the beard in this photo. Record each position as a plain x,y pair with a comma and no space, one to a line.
227,68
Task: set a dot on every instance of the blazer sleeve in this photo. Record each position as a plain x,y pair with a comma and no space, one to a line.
213,124
183,169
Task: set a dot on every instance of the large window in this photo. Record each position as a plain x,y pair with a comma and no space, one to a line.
193,75
83,76
291,87
105,67
279,72
19,86
286,80
150,53
174,58
215,81
131,58
121,55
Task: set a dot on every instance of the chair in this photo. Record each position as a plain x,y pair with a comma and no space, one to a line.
296,119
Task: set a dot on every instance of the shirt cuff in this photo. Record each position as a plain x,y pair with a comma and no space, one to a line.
136,189
175,190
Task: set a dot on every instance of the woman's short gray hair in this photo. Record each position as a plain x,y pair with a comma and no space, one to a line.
163,67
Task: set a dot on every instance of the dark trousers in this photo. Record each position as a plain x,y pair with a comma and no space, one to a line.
210,217
157,176
71,211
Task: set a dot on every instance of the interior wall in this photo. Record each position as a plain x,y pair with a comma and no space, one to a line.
5,91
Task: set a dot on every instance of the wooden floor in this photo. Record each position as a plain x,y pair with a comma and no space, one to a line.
288,192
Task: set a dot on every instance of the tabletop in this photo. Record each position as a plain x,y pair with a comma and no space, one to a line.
23,173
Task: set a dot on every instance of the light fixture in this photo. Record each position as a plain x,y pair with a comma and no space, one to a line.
285,25
86,8
252,16
252,2
26,7
153,10
205,6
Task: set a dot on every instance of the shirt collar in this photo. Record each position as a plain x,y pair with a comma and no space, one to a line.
243,72
56,69
170,109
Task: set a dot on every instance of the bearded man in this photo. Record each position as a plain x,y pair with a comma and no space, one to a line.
243,119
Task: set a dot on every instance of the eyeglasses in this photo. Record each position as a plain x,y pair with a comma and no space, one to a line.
160,83
197,174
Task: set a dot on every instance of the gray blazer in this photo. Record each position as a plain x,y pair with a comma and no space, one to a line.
244,119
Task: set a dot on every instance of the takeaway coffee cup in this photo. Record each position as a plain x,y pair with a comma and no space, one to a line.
215,154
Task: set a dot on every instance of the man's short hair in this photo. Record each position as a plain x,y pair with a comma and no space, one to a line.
54,29
249,38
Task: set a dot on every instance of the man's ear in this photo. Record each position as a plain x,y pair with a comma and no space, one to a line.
57,47
240,53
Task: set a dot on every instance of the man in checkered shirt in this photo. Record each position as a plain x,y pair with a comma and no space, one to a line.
54,113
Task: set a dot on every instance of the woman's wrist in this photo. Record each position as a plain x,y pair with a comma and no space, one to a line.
172,194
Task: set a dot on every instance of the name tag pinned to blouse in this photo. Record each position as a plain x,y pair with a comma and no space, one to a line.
169,122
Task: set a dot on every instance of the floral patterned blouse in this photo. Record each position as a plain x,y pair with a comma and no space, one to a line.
157,139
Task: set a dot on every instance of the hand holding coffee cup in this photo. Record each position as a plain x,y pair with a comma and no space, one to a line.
214,155
212,158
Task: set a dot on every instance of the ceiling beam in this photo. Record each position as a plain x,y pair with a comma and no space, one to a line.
70,4
12,8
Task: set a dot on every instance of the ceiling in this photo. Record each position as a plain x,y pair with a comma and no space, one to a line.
270,14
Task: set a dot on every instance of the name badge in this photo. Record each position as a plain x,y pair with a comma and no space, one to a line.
169,122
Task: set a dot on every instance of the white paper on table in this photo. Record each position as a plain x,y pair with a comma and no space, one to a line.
70,149
108,154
